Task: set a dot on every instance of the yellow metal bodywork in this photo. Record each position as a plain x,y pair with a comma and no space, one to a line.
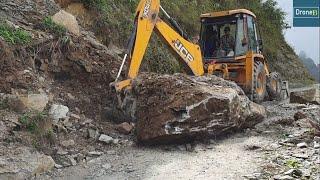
188,52
227,13
243,66
147,13
147,20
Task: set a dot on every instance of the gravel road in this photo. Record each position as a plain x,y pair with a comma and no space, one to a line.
223,159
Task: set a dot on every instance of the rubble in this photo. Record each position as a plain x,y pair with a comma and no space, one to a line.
24,163
29,102
182,107
92,133
68,143
58,166
106,139
106,166
302,145
124,128
58,112
304,97
67,20
299,115
294,173
285,177
95,153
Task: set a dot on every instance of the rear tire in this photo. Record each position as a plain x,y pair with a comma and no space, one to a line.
259,82
274,86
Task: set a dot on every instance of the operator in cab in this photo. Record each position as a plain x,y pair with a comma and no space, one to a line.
227,42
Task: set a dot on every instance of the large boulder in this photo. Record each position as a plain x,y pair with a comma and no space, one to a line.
310,96
58,111
67,20
182,108
29,102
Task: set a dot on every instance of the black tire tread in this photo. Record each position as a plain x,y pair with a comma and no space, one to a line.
272,93
258,67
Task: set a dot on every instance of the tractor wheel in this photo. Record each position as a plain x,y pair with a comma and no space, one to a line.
274,86
259,82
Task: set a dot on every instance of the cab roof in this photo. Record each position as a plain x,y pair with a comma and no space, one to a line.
227,13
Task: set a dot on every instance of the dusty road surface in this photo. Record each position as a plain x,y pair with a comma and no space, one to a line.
283,145
224,159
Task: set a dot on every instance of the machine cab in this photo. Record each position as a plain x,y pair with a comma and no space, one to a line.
227,35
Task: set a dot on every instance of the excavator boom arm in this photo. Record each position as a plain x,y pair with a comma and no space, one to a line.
147,20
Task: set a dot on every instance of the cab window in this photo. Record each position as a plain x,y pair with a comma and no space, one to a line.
218,38
242,40
253,43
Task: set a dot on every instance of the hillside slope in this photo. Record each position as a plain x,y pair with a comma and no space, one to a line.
112,22
310,65
54,94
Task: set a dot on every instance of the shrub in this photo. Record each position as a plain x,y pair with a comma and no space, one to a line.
49,25
3,104
14,36
31,121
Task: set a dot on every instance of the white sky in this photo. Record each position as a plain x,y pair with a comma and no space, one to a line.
301,38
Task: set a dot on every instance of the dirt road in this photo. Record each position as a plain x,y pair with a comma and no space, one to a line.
224,159
265,152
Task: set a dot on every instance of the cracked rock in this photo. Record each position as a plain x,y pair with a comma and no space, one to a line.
106,139
184,108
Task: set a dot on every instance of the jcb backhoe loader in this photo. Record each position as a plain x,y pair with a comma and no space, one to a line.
230,46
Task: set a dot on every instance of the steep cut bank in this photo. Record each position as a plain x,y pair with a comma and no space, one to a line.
54,61
110,21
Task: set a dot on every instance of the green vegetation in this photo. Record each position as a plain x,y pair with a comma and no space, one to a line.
293,164
40,128
115,18
14,36
52,27
3,104
31,121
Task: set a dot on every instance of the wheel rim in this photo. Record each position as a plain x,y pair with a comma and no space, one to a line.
274,84
260,83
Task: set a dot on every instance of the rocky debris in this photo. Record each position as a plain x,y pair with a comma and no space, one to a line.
285,177
75,116
58,112
92,133
67,20
124,128
294,173
301,155
58,166
95,153
68,159
181,107
106,139
302,145
293,156
304,97
23,163
30,102
67,143
73,162
299,115
106,166
53,63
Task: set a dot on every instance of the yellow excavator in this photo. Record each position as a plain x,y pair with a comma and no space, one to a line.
229,46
